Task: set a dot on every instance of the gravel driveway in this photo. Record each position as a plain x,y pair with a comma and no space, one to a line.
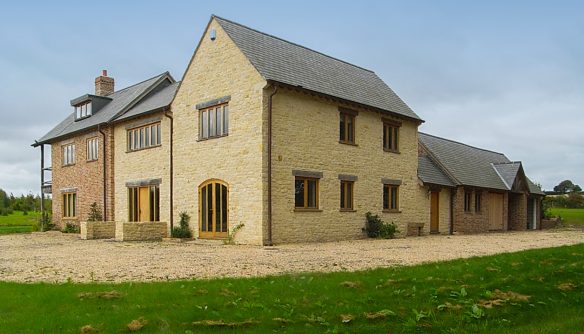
56,257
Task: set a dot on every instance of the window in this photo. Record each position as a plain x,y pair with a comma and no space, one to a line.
92,149
144,137
347,126
391,136
83,111
214,122
306,193
68,154
390,197
347,195
69,205
144,204
467,201
478,201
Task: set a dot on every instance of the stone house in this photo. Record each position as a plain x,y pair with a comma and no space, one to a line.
474,190
89,149
263,136
290,143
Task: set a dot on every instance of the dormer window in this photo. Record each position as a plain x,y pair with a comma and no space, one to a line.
82,110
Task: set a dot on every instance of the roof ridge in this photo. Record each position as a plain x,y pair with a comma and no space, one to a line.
141,82
467,145
286,41
507,163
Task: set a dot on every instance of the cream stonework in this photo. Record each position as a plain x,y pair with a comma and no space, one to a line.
145,164
220,69
306,137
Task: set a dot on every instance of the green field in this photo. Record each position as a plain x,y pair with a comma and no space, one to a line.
569,216
18,222
536,291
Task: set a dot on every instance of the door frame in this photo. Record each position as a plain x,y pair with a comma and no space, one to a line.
435,212
213,234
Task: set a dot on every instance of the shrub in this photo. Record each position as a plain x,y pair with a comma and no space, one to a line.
377,228
183,230
94,213
24,213
71,228
231,237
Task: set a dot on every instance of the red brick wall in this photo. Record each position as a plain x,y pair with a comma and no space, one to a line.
84,176
472,221
518,212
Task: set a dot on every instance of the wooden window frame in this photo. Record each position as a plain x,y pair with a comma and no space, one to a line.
305,206
478,201
392,198
345,134
69,205
92,145
134,203
68,154
216,126
391,132
144,137
347,202
467,201
216,209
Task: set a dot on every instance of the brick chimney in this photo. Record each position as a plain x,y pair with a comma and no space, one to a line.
104,85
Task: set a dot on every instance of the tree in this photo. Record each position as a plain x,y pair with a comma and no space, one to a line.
567,186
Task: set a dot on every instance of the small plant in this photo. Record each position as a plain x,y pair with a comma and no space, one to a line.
231,237
71,228
183,230
94,213
377,228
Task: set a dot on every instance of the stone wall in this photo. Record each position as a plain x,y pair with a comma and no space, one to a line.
306,137
219,69
85,178
97,230
146,164
142,231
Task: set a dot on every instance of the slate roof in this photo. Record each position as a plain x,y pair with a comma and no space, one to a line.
470,166
429,173
152,102
121,101
292,64
508,172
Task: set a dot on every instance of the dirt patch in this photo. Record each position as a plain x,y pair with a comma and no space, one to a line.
56,257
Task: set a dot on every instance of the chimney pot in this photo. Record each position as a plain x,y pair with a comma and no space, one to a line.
104,73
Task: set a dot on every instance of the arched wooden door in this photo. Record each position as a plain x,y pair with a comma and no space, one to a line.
213,209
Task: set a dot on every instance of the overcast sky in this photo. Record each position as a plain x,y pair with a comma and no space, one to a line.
502,75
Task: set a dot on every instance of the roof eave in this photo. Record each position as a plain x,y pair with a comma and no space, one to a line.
418,121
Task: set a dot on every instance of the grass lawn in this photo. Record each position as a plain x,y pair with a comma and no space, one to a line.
569,216
536,291
18,222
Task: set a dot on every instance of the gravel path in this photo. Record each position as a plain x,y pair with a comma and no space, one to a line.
56,257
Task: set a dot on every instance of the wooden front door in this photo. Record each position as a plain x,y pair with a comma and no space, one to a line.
144,204
213,212
496,211
435,212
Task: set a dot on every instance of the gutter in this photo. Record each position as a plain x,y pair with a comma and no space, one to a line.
166,114
269,241
104,175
